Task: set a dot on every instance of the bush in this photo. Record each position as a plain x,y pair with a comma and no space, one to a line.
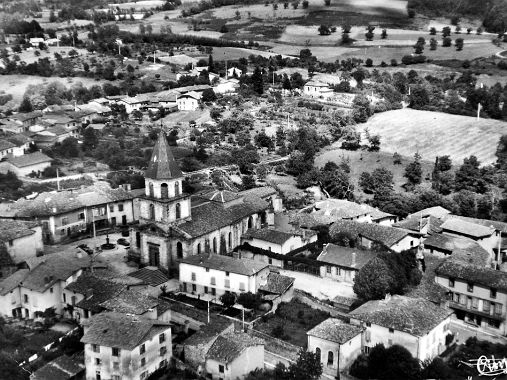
411,13
412,60
278,332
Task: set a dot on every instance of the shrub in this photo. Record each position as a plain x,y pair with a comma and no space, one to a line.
411,13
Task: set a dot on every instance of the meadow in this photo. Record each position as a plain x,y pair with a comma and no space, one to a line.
434,134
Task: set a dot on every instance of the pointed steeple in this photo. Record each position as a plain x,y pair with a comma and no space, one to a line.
162,164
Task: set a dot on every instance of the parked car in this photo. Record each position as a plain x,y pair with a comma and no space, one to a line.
85,248
124,242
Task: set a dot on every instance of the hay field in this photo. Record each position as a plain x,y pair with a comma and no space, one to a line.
434,134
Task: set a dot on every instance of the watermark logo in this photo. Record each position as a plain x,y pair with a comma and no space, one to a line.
488,366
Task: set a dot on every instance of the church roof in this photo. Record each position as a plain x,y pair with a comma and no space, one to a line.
162,163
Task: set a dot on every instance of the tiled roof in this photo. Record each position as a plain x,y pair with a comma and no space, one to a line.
228,347
346,257
62,368
48,269
372,231
121,330
316,84
162,164
59,202
5,144
414,316
208,332
466,228
277,283
417,224
150,275
15,229
269,235
341,208
13,281
460,247
27,116
18,139
95,289
211,216
472,273
260,192
191,94
221,196
335,330
29,159
226,264
437,212
500,226
130,301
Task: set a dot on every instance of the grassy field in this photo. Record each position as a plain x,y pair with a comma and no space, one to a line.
364,161
433,133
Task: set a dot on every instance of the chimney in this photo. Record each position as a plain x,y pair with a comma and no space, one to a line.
128,186
353,259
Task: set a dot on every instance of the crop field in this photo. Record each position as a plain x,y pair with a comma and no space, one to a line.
436,134
364,161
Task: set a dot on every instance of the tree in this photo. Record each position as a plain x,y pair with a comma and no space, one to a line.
380,180
368,62
298,164
459,44
384,34
208,95
142,29
228,299
433,31
305,4
26,105
248,182
249,300
413,171
337,183
262,140
90,139
446,42
433,44
324,30
307,367
446,31
469,176
257,81
373,280
374,141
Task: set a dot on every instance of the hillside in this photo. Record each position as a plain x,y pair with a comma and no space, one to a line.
434,133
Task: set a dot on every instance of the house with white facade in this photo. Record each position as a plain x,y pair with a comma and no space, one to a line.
414,323
189,101
7,149
33,290
277,241
317,89
234,72
343,263
26,164
22,239
228,86
487,237
216,274
127,347
135,103
336,343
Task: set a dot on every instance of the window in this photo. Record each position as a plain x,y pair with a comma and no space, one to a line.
317,352
51,290
163,350
221,368
389,342
227,274
367,336
330,358
95,348
116,351
179,250
116,377
328,268
485,306
161,338
368,324
391,331
25,298
498,308
230,240
143,362
475,302
492,293
470,287
194,287
64,297
366,350
142,349
206,289
213,281
451,283
111,208
97,375
98,361
120,207
81,216
65,221
213,292
152,192
199,248
227,283
207,269
270,261
214,245
164,191
116,366
176,188
152,211
178,211
193,276
242,286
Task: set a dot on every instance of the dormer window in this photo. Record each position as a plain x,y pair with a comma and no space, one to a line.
470,287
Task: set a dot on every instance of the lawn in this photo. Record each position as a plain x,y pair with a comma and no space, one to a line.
434,134
364,161
291,322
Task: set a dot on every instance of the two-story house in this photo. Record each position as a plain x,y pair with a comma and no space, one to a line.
26,164
342,263
487,237
414,323
336,343
125,347
189,101
216,274
277,241
317,90
23,239
478,295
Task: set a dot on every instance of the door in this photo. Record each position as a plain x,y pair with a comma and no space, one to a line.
124,219
153,255
113,221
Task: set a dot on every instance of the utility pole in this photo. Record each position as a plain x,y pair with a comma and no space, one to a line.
479,106
57,179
